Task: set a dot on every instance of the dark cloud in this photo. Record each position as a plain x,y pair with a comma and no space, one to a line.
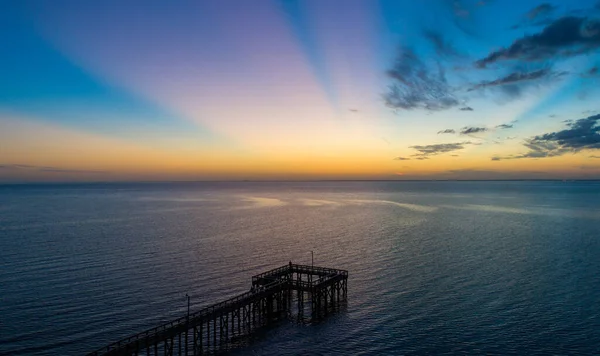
538,16
592,72
401,159
541,10
583,134
447,131
44,169
567,36
466,108
504,126
514,78
463,16
432,150
442,47
415,86
472,130
513,84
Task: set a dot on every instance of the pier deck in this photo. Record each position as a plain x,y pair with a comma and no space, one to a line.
214,327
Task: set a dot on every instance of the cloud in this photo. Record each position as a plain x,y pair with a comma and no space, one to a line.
442,47
566,36
447,131
539,15
462,13
472,130
516,77
504,126
421,158
540,11
401,159
44,169
594,156
459,9
592,72
415,86
432,150
514,83
466,108
583,134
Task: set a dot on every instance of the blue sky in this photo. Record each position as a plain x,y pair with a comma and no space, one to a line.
282,89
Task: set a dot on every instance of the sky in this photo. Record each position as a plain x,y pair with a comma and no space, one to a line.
290,90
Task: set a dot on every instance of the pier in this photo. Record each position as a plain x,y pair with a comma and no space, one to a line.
309,292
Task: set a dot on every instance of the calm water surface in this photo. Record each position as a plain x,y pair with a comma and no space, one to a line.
435,267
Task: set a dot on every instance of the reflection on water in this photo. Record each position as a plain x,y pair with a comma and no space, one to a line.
262,202
435,268
414,207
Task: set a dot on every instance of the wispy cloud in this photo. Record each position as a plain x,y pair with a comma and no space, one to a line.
513,78
432,150
466,108
447,131
592,72
566,36
401,159
540,11
539,15
513,84
472,130
442,46
416,86
504,126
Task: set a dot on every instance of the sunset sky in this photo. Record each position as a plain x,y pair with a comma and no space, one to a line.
291,89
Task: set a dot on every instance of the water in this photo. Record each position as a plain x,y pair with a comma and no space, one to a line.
435,267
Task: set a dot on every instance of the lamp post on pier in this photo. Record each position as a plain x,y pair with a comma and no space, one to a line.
312,258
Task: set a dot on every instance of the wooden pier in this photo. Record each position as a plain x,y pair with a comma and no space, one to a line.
274,294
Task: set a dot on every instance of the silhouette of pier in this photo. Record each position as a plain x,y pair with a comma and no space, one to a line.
286,290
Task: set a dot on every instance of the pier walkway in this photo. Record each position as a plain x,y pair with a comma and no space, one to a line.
215,327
